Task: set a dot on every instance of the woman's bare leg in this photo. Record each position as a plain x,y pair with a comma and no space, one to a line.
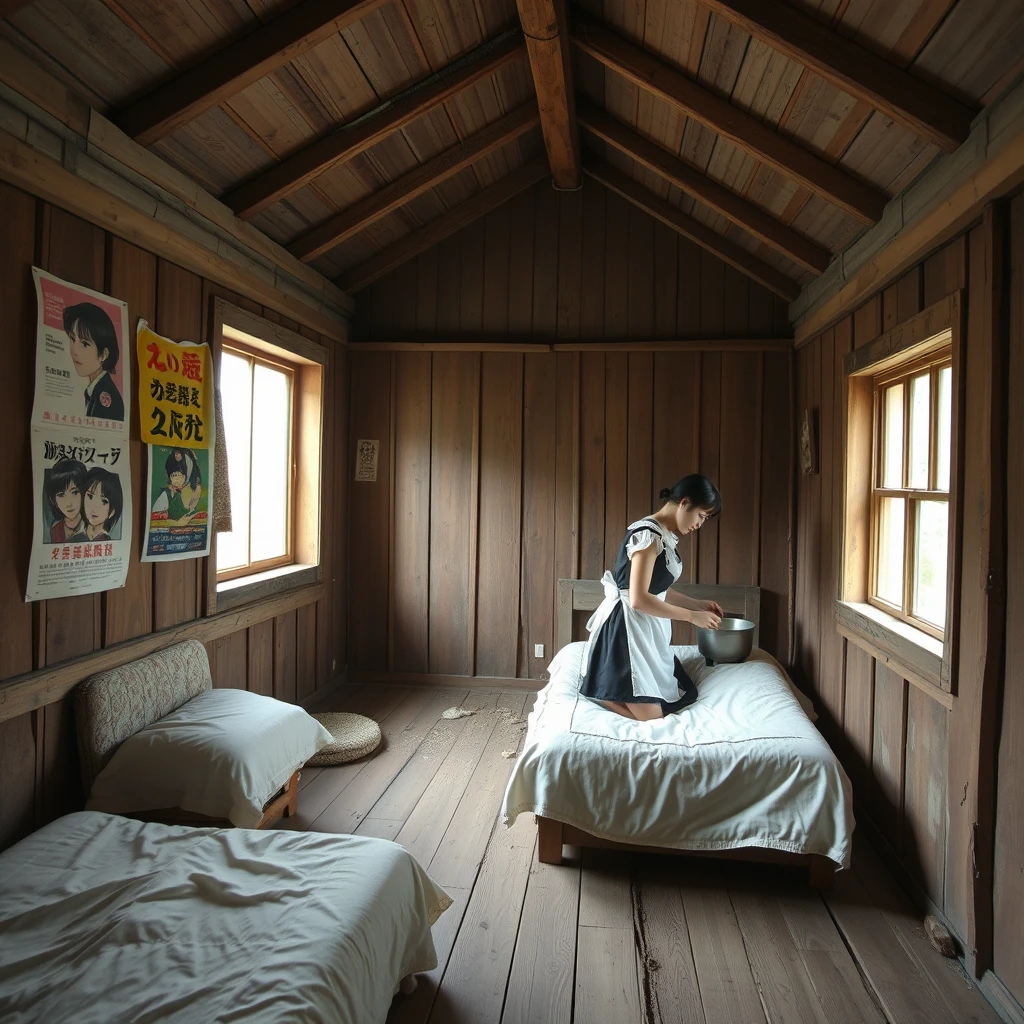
646,712
617,707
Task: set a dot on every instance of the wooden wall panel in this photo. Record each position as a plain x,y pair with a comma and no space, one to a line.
38,756
409,575
1009,832
572,446
501,440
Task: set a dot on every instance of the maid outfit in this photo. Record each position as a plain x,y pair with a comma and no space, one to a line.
628,657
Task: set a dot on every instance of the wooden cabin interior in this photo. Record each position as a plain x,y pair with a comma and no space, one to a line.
527,264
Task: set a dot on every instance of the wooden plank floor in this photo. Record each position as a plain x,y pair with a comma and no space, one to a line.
609,938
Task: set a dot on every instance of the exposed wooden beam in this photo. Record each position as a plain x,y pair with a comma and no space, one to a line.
378,265
378,204
732,123
918,106
302,167
477,342
744,214
547,41
237,66
658,208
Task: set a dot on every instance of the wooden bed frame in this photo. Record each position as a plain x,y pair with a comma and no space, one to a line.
584,596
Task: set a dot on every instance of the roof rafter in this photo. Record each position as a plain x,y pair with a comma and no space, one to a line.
926,111
348,141
547,41
235,67
744,214
363,213
740,128
633,192
359,276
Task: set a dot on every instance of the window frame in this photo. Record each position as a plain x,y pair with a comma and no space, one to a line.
934,362
234,327
913,651
252,568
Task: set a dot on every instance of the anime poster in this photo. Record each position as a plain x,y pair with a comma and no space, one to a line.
175,391
82,535
178,524
82,367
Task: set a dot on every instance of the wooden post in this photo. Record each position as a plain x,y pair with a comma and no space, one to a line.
549,841
821,872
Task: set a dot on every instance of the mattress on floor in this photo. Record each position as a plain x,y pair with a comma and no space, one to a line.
743,766
107,919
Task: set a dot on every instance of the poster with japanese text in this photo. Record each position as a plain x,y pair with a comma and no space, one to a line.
81,472
179,486
82,366
82,534
175,391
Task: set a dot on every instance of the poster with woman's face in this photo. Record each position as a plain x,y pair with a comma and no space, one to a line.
82,365
82,535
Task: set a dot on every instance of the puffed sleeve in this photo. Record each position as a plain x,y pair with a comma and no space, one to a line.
644,539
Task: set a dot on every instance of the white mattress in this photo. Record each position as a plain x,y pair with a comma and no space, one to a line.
743,766
105,919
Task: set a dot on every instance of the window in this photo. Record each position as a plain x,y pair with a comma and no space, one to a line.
910,491
271,386
257,396
901,500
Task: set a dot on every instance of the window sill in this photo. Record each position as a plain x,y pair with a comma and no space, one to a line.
908,651
237,592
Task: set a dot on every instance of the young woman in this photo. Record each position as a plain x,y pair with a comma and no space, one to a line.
184,488
94,353
104,503
64,488
628,665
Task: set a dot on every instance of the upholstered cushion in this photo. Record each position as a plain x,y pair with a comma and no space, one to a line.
111,706
223,754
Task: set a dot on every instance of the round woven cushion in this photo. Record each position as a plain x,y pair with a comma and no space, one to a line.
355,736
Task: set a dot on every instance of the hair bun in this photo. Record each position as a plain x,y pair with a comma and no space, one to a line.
665,493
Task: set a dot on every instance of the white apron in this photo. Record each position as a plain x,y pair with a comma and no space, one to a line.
652,662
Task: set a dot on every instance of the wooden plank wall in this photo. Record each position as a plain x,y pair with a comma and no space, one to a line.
501,472
290,656
907,755
1008,879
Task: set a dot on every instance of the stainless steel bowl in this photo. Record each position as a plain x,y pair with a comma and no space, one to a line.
732,641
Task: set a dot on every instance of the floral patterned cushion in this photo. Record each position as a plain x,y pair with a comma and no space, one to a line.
111,706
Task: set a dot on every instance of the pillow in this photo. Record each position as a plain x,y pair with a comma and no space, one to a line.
224,753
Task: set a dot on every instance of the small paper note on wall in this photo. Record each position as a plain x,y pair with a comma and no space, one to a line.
366,461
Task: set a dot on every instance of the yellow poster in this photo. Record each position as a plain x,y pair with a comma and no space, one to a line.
175,391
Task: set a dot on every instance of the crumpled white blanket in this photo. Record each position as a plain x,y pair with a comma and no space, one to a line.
743,766
104,919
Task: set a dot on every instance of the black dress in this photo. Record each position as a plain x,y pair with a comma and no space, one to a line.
628,657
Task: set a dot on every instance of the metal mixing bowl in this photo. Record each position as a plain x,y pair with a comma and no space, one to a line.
732,641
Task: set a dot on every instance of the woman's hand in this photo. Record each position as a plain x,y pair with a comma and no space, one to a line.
712,606
704,619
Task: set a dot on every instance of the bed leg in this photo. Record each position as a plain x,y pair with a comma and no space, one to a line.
549,841
292,789
821,872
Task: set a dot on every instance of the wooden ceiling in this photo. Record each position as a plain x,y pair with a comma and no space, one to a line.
360,132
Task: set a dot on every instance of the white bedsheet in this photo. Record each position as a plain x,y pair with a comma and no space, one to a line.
105,919
743,766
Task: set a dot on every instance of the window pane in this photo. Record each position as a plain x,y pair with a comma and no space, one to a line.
890,550
945,440
271,450
930,562
920,415
236,396
892,446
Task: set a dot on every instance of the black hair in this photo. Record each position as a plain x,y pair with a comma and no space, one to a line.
58,477
699,490
89,321
111,486
177,462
